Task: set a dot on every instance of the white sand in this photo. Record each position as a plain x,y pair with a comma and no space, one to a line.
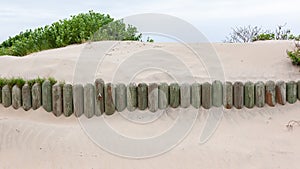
255,138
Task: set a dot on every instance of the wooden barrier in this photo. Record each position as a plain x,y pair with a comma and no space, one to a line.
99,98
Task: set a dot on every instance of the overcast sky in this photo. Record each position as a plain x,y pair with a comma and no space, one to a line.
214,18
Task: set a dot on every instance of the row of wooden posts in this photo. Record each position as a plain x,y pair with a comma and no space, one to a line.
99,98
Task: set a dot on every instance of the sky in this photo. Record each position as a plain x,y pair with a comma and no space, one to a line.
214,18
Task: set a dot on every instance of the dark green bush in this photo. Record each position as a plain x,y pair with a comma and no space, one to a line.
78,29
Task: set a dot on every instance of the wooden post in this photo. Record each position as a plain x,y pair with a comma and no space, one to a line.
6,96
142,92
47,96
68,100
131,97
153,97
185,95
206,95
78,95
291,89
196,95
238,95
217,93
270,93
120,97
174,95
89,100
36,96
280,92
99,97
109,98
26,97
260,94
249,95
57,104
228,95
163,95
16,97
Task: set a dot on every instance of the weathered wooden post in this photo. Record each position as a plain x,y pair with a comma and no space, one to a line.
163,95
227,95
281,92
6,96
99,95
142,92
131,97
249,95
57,100
120,97
298,89
217,93
260,94
185,95
206,95
26,97
196,95
16,97
109,98
47,96
153,97
291,89
1,94
270,93
174,95
238,95
89,100
78,100
36,92
68,100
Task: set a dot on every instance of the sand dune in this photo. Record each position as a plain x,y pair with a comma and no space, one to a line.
256,138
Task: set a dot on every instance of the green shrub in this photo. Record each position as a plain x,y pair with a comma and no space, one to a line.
264,36
78,29
20,82
295,55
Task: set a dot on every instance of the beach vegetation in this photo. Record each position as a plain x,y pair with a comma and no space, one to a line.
75,30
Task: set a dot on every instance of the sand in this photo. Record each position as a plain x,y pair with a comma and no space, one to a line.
256,138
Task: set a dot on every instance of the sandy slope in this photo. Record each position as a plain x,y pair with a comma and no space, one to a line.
255,138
